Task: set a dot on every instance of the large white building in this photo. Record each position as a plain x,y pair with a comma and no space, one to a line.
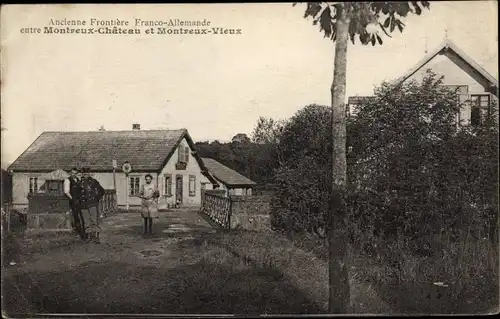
476,88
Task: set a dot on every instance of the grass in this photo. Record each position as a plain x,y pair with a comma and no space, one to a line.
469,269
270,250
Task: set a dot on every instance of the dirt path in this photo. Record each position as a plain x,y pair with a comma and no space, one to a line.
178,270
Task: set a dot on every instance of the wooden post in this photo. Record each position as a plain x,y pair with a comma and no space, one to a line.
126,191
114,163
8,216
229,213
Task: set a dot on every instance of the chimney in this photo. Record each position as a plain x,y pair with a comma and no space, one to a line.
136,127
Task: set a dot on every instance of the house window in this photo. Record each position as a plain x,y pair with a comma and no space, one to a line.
134,186
192,185
183,154
480,108
33,185
168,185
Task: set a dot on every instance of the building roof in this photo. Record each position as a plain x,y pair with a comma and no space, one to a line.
145,150
226,175
445,48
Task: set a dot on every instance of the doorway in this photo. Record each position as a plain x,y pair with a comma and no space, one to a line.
178,189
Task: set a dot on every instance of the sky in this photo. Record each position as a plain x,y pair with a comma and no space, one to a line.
216,86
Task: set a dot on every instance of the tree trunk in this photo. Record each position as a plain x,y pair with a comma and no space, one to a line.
339,298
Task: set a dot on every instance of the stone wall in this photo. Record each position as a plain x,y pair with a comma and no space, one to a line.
49,222
252,205
41,203
251,212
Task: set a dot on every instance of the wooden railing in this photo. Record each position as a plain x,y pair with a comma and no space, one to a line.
108,203
218,208
6,217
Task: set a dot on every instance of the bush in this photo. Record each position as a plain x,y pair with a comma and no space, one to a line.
412,175
301,198
433,181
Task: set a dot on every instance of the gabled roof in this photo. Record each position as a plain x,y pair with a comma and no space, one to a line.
226,175
145,150
445,48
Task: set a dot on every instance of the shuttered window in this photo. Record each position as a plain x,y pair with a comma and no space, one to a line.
192,185
183,152
168,185
33,185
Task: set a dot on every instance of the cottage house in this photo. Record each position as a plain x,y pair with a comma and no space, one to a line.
476,88
229,180
168,155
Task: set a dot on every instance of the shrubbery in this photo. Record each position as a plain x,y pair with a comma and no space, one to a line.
413,177
303,179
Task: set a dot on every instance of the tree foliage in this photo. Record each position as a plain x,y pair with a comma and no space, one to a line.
386,16
256,161
267,131
241,138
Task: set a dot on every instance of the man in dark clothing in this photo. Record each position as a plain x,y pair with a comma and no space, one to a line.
72,191
91,193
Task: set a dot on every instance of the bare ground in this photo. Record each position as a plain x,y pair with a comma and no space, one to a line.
189,267
180,270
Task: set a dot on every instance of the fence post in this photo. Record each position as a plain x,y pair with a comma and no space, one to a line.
202,201
229,213
106,201
8,216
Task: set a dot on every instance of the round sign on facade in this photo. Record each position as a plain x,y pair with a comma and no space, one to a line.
127,168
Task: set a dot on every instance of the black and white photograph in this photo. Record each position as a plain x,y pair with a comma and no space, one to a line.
249,159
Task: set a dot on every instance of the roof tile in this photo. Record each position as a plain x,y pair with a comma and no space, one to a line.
144,150
225,174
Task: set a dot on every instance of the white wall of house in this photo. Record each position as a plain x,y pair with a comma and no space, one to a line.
21,186
453,75
234,191
123,185
240,191
192,169
20,183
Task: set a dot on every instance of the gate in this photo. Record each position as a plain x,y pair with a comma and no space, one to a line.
217,208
